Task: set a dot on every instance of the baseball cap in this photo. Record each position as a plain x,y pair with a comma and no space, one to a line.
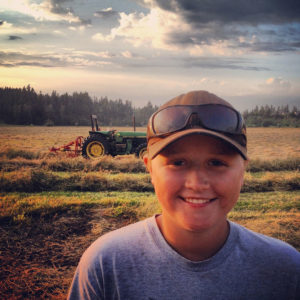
196,112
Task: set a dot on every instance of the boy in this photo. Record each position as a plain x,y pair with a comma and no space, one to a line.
196,158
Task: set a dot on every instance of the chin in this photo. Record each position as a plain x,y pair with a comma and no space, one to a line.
197,227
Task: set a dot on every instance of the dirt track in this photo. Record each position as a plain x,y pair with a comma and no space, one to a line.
38,260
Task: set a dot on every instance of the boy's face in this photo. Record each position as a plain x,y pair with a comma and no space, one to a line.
197,180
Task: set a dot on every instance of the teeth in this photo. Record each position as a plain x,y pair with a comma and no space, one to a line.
196,201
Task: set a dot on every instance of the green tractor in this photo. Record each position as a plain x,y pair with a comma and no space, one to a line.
113,142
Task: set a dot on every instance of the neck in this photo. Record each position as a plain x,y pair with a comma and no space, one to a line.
194,245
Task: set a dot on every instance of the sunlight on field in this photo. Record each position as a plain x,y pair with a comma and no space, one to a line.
41,138
263,143
271,143
56,206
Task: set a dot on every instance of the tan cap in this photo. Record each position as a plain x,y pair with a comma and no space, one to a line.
157,143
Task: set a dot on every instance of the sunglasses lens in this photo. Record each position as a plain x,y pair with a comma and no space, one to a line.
219,118
214,117
171,119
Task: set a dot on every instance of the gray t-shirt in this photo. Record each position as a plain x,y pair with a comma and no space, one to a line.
135,262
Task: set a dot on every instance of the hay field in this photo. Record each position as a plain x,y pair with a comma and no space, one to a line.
263,143
41,138
53,207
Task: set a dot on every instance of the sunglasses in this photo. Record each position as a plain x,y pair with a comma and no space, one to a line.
214,117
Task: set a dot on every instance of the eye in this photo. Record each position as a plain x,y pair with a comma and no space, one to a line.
178,162
216,163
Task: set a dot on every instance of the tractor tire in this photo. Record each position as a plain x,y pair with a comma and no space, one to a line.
94,147
141,150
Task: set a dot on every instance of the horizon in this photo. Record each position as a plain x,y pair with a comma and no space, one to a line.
250,107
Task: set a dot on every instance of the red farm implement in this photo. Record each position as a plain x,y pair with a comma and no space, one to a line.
73,148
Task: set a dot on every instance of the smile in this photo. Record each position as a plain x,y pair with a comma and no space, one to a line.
198,201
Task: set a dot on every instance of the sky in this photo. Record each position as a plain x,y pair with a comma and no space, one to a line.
247,52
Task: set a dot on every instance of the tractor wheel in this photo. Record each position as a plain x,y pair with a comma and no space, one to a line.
94,147
141,150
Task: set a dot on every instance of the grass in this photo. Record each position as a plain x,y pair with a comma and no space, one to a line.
44,234
263,143
37,180
11,160
52,207
273,143
22,207
42,138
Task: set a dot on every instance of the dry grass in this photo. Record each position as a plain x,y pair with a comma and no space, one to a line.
41,138
273,143
263,143
37,180
281,225
43,234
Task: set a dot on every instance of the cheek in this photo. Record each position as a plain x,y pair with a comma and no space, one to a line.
165,184
229,185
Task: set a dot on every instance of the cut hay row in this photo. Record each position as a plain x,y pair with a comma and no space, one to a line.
12,160
41,180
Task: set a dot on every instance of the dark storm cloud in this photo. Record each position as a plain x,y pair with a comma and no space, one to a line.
268,40
207,34
14,37
254,12
274,23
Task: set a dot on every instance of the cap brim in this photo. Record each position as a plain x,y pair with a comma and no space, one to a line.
155,148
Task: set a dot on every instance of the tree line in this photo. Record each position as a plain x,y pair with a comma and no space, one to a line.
23,106
271,116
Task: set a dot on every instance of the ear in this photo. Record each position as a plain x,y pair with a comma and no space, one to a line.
246,162
147,163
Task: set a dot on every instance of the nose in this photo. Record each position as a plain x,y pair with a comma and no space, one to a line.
197,180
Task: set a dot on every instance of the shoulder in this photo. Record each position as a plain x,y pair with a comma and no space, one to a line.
96,271
266,249
119,242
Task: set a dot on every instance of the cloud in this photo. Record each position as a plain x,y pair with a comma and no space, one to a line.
216,27
57,8
276,86
146,29
127,54
71,58
227,11
11,30
50,10
100,37
277,82
221,63
15,59
14,37
125,59
106,13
